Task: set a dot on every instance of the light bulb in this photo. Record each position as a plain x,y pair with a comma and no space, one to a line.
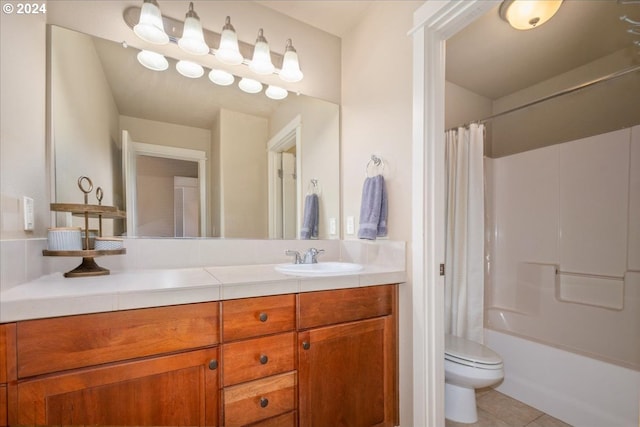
190,69
275,92
152,60
250,85
221,77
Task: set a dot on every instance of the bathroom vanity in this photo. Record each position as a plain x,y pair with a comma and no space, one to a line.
312,358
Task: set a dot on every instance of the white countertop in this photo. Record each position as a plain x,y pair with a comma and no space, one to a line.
54,295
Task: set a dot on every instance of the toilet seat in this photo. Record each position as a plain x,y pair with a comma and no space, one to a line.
470,353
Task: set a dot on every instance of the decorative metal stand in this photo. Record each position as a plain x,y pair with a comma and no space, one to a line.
88,267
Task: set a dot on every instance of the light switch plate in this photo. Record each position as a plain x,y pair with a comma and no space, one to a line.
351,225
27,212
333,227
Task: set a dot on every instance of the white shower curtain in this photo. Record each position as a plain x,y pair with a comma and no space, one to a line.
464,256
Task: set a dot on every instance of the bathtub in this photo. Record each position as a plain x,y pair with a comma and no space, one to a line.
580,386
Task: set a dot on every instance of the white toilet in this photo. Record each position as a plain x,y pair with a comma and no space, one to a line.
467,365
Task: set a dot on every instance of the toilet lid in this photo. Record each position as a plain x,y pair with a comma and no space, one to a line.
459,350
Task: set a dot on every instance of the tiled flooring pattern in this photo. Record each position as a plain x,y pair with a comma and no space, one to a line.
498,410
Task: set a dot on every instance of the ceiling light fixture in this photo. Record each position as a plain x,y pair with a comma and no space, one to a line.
229,52
528,14
261,62
150,27
192,40
149,24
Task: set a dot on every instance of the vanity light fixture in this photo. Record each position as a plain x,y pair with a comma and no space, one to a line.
528,14
250,86
261,62
152,60
192,40
150,27
190,69
221,77
290,66
228,51
276,92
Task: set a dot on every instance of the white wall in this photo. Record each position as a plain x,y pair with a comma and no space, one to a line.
377,99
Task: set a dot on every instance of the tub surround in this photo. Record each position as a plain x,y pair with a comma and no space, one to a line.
187,271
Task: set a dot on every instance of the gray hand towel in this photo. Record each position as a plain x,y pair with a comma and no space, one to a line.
373,209
310,218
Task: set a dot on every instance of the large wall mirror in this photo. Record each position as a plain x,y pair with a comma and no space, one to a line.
185,157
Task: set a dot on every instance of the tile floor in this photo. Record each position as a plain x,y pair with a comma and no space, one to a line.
498,410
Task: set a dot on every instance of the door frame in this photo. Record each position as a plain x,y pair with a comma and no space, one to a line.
290,135
434,22
167,152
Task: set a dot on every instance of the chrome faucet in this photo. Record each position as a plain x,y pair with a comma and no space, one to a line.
296,254
311,256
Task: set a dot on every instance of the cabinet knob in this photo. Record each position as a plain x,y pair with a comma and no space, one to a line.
263,317
306,345
264,402
263,359
213,364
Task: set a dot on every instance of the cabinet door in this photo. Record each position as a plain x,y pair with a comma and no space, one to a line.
174,390
346,374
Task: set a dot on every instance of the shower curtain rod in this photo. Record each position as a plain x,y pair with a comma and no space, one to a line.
556,95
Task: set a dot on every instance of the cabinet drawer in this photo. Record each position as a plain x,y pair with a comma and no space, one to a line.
344,305
284,420
252,317
57,344
258,400
259,357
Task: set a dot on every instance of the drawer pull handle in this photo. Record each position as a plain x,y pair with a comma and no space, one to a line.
263,317
213,364
263,359
306,345
264,402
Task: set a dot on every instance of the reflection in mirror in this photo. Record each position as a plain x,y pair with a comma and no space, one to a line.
99,92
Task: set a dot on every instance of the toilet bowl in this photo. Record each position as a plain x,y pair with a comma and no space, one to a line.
467,365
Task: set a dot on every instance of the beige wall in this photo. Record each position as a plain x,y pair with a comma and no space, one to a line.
320,152
377,98
23,164
86,135
243,168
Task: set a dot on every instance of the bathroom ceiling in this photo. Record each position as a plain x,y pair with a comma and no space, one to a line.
489,57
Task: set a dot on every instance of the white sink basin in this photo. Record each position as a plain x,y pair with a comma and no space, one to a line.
319,269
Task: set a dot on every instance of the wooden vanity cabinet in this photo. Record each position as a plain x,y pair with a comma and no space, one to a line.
156,366
259,374
7,368
318,359
347,358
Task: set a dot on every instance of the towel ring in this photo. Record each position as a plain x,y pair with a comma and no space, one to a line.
376,164
313,187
